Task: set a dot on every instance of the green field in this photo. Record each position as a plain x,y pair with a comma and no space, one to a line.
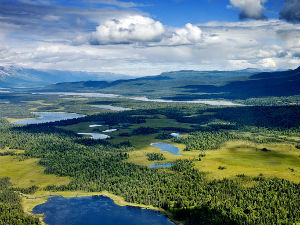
26,172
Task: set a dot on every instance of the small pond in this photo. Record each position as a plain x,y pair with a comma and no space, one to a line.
175,135
167,148
157,165
109,130
45,117
96,210
96,136
95,125
110,107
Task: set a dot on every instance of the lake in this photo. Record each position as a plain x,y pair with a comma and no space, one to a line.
109,130
144,99
157,165
96,136
110,107
96,210
167,148
45,117
95,125
175,135
206,102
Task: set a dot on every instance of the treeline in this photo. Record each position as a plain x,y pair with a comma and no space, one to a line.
11,212
155,156
205,140
238,117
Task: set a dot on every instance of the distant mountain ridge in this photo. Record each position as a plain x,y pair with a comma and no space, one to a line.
13,76
265,84
189,85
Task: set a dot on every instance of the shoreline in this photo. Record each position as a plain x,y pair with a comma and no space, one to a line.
40,197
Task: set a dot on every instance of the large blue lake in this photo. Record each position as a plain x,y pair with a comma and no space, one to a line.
96,210
45,117
167,148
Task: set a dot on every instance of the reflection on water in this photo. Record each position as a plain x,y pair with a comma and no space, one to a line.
96,210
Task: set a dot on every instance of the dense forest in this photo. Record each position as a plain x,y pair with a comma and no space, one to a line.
183,191
11,212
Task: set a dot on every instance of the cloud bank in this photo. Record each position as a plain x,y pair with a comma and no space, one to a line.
142,30
252,9
291,11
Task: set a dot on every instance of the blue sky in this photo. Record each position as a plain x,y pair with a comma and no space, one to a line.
180,12
146,37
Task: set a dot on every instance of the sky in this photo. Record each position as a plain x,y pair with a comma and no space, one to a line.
147,37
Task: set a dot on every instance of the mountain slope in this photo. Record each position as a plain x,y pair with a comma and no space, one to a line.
189,85
22,77
284,83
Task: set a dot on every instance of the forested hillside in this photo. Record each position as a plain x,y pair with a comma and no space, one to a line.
190,85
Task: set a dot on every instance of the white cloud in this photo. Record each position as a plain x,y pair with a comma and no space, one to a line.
141,30
128,29
252,9
188,34
268,63
209,46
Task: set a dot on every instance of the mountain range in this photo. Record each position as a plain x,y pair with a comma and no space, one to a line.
175,85
189,85
13,76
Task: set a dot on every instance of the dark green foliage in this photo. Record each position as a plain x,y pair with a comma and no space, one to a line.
29,190
155,156
271,116
124,134
144,130
205,140
182,165
8,153
163,136
11,212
